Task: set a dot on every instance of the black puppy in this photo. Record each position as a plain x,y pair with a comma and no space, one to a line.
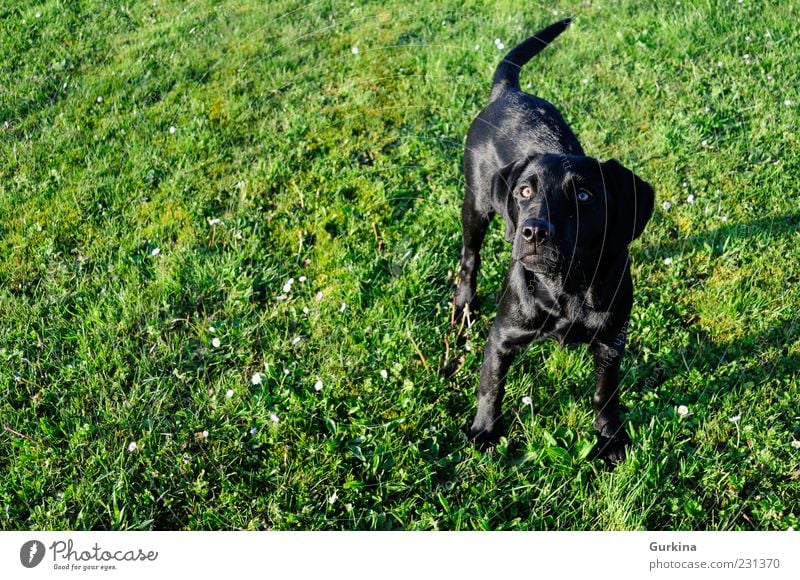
570,219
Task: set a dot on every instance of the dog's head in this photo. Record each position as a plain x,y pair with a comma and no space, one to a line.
564,212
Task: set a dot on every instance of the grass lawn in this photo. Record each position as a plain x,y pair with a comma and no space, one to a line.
228,232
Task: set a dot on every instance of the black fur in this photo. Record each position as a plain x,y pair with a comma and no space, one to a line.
570,219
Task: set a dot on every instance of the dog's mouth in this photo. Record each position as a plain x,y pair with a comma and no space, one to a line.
542,262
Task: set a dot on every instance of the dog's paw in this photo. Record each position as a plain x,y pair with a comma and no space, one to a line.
611,446
485,435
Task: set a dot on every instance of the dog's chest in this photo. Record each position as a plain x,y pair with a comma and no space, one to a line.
567,318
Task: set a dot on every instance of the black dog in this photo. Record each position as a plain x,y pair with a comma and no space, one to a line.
570,219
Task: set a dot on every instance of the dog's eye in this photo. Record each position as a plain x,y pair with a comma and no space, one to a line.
526,191
584,196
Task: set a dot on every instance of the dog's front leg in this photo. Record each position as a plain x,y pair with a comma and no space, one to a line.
487,426
611,435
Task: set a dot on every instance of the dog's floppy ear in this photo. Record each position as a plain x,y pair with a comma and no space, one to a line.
634,200
503,182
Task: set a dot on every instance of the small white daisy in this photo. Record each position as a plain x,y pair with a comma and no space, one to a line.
788,102
384,374
796,444
295,340
287,287
526,400
285,372
723,218
306,310
318,296
704,143
477,47
256,379
354,50
343,307
38,15
667,261
683,410
501,46
212,329
666,205
205,434
214,221
302,279
318,386
215,342
468,347
585,81
253,430
155,252
229,393
274,418
735,418
99,99
497,41
690,198
172,130
133,446
332,499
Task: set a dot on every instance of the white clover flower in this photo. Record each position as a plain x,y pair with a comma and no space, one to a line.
585,81
354,50
155,252
690,198
343,307
318,296
796,444
229,393
253,431
302,279
133,447
212,329
666,205
205,434
683,410
667,261
306,310
287,287
501,46
332,499
215,342
274,418
318,386
735,418
256,379
172,130
214,221
285,372
477,47
99,99
384,374
526,400
296,339
788,102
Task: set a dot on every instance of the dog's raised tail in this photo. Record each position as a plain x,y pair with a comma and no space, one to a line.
507,74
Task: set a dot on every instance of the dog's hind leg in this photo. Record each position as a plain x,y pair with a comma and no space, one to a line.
474,223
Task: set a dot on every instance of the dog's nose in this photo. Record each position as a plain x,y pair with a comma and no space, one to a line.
536,232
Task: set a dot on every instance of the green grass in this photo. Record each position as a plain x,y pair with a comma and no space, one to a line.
345,168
